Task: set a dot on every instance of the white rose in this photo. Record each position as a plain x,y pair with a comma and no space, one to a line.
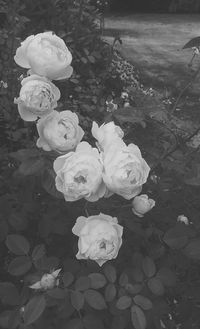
48,281
125,171
183,219
100,237
38,97
59,131
142,204
79,174
106,134
45,54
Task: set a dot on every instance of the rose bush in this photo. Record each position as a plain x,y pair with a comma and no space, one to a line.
45,54
141,204
79,174
100,237
125,170
38,97
59,131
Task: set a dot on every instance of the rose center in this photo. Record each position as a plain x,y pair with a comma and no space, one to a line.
80,179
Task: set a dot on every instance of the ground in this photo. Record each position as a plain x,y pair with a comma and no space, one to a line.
153,43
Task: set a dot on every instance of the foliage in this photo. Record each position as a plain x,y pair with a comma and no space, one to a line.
154,282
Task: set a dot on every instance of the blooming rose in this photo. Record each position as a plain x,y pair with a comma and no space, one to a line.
59,131
48,281
38,97
79,174
106,134
183,219
125,171
100,237
142,204
45,54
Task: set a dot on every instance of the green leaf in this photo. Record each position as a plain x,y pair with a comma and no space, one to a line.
110,273
138,317
97,280
74,324
77,299
192,250
48,183
57,293
133,289
19,265
148,266
156,286
17,244
91,321
31,166
9,319
82,283
95,299
9,294
143,302
124,302
67,278
123,279
175,238
137,274
110,292
167,276
24,154
34,309
38,252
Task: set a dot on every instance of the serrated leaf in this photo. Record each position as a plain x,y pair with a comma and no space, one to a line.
110,273
19,265
148,266
67,278
133,289
143,302
38,252
138,317
82,283
110,292
17,244
77,300
95,299
167,276
34,309
9,294
156,286
195,42
192,250
175,238
124,302
123,279
31,166
97,280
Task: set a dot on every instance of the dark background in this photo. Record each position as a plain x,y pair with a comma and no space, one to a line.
173,6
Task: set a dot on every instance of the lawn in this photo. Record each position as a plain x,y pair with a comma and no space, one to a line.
153,42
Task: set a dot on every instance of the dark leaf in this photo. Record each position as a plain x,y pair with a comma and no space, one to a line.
57,293
77,300
156,286
149,267
82,283
31,166
67,278
95,299
123,279
24,154
9,294
167,276
175,238
91,321
133,289
110,273
137,274
48,183
97,280
110,292
33,309
119,322
18,244
38,252
138,317
143,302
9,320
195,42
192,250
124,302
19,265
74,324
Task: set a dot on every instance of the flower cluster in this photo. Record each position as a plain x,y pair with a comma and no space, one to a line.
82,171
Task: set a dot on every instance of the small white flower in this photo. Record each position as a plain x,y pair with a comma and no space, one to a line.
48,281
183,219
124,94
142,204
126,104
